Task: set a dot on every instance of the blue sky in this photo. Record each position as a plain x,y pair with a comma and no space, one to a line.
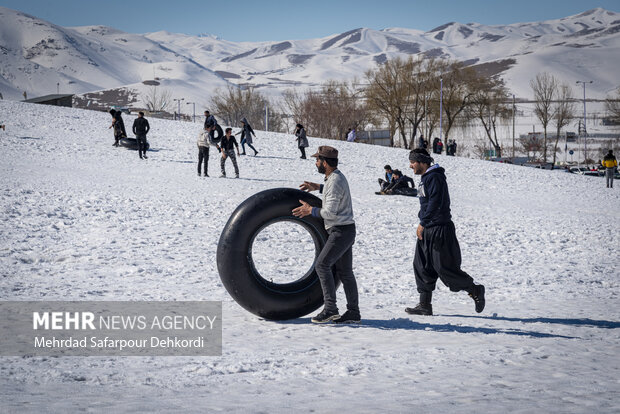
243,20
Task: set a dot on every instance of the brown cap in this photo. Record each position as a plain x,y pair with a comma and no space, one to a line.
326,152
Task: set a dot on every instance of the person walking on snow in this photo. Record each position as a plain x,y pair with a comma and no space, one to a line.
226,147
437,253
611,165
337,254
302,140
140,128
119,127
246,136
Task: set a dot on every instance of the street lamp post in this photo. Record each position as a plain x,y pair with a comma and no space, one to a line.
194,107
58,87
178,101
585,143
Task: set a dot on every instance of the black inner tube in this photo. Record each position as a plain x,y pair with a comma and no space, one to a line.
248,287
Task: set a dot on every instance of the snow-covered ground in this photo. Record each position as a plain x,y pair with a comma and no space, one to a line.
81,220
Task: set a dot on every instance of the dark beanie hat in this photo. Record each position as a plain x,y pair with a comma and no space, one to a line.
420,155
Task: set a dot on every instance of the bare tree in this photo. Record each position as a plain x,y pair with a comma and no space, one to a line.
235,103
612,105
544,87
459,84
329,111
157,99
488,105
389,93
563,112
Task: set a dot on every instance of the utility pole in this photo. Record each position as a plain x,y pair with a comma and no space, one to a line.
58,88
513,126
194,106
179,106
585,132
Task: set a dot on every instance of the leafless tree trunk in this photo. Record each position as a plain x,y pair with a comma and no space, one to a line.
563,113
544,87
157,99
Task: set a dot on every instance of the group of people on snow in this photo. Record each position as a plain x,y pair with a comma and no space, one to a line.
396,183
438,145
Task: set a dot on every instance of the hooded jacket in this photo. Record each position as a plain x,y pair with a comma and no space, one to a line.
434,198
247,131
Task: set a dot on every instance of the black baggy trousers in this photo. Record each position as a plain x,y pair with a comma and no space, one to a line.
438,255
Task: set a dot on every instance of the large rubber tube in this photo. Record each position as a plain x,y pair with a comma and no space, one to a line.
132,143
253,291
213,139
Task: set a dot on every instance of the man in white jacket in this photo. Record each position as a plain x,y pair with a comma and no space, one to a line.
337,214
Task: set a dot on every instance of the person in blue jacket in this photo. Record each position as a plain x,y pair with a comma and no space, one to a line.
388,177
437,253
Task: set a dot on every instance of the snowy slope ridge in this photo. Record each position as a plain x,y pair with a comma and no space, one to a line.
82,220
39,54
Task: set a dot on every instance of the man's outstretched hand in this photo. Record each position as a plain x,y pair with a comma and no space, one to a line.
303,210
308,186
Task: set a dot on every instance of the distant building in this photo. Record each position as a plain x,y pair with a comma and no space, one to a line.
374,137
58,100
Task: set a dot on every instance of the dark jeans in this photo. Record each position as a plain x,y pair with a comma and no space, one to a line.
203,155
229,154
337,254
243,142
141,138
303,152
438,255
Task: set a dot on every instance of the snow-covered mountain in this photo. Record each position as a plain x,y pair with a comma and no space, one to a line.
36,55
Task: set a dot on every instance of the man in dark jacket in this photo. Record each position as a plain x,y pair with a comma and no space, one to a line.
226,148
119,127
437,253
401,185
209,120
140,128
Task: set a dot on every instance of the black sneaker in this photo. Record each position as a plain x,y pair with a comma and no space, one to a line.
325,316
421,309
349,317
478,297
145,157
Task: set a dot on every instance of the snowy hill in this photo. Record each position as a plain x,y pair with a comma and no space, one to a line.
38,54
82,220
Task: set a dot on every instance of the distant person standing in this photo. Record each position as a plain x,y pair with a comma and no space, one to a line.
437,253
140,128
439,147
210,120
337,253
352,135
203,151
246,136
226,148
3,127
119,127
302,140
421,141
611,165
435,141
